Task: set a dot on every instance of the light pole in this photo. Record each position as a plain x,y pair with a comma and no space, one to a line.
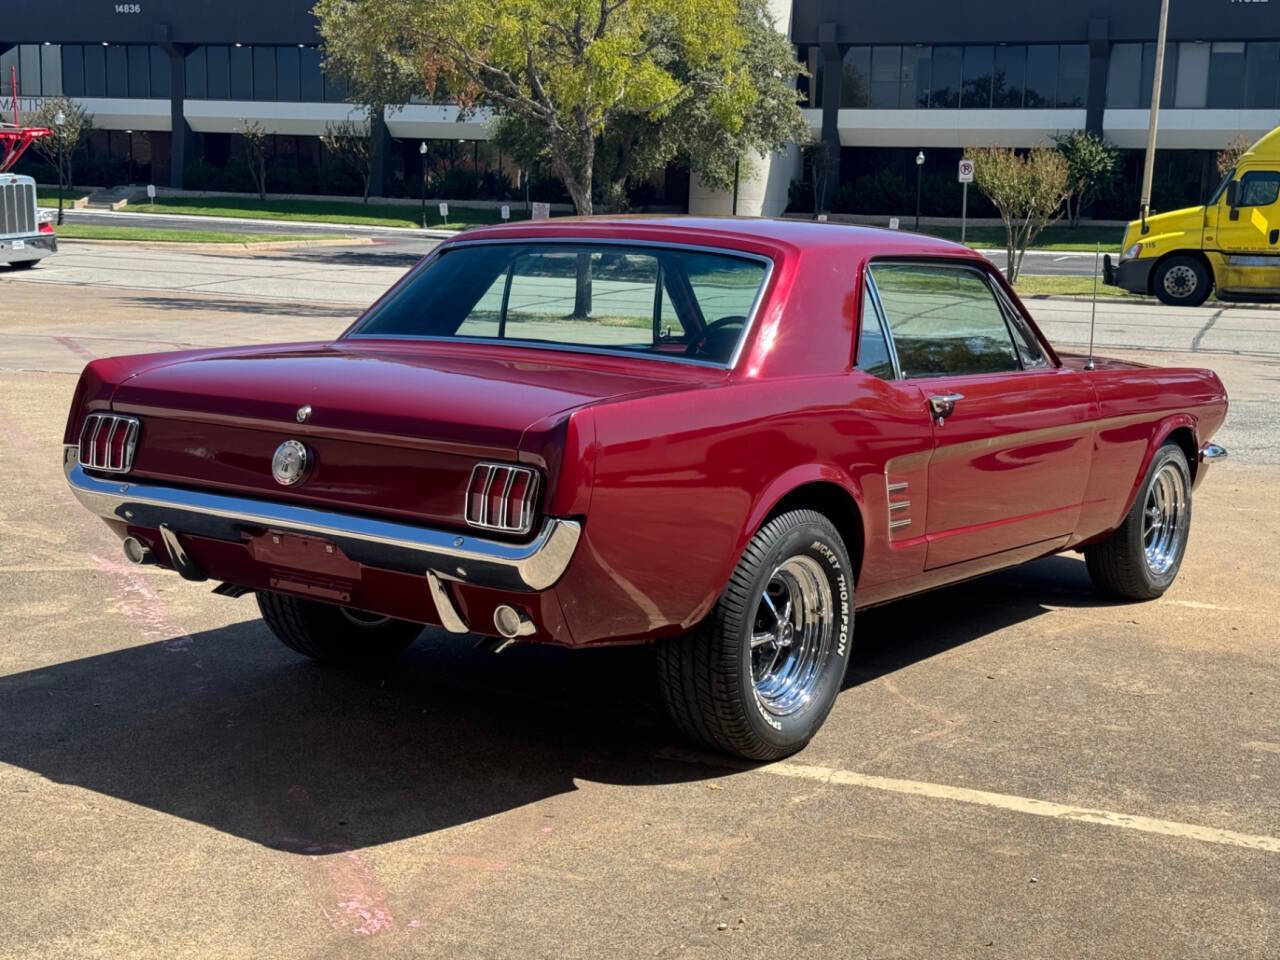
128,154
422,152
919,174
59,119
1153,118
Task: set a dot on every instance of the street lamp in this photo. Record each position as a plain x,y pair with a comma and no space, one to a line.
59,119
919,174
128,154
422,152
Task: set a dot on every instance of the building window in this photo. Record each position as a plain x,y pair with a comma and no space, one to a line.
219,65
197,82
287,73
1073,75
1226,75
1261,75
264,73
1006,83
95,70
241,73
917,75
160,77
73,69
886,73
1041,76
312,78
117,71
139,71
855,84
946,77
979,64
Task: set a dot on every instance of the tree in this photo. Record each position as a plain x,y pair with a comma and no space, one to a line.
1028,190
254,139
591,80
1091,164
352,146
60,148
1229,158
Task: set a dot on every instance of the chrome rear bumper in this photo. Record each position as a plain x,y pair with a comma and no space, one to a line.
531,566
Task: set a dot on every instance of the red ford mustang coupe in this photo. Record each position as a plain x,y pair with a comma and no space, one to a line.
719,436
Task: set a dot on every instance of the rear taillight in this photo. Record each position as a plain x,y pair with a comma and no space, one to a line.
502,497
46,227
107,442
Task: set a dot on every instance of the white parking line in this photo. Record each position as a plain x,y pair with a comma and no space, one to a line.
1002,801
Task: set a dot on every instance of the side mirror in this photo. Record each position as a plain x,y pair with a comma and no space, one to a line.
1233,193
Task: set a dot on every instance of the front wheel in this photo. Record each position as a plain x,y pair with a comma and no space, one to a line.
1140,560
760,674
335,635
1182,282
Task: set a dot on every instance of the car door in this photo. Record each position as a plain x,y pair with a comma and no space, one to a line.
1012,432
1248,233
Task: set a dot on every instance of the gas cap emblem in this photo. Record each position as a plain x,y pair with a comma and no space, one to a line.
304,413
289,465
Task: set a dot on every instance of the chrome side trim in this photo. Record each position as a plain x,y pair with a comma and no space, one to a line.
899,524
896,505
535,565
1212,451
450,619
898,487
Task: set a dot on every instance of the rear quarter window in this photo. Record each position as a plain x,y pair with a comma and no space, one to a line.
944,320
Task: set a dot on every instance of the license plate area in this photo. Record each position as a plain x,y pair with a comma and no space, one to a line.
306,564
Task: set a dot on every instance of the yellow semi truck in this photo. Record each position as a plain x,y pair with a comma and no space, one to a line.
1232,243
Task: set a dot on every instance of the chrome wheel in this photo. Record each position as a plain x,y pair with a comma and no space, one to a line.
1180,282
362,619
1164,519
792,636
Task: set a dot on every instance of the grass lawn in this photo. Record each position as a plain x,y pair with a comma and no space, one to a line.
1030,286
77,231
49,198
1061,238
325,211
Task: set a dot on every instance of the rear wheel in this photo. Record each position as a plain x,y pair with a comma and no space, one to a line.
1140,560
760,674
333,634
1182,281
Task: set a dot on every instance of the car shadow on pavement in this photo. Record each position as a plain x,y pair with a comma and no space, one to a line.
229,729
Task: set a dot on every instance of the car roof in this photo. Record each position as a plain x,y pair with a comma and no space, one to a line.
736,233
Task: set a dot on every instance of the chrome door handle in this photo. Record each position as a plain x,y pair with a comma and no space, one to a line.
943,405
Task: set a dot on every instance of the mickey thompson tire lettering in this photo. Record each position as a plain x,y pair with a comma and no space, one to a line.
707,678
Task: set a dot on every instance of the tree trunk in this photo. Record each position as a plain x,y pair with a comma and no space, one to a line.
582,292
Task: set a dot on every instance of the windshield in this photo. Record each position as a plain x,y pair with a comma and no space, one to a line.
674,303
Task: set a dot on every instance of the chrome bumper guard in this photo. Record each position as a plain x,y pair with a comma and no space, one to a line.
1211,452
447,555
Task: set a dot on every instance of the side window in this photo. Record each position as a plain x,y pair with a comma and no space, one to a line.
944,320
873,352
1024,341
1259,188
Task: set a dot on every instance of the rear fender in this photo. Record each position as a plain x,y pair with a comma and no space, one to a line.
1158,438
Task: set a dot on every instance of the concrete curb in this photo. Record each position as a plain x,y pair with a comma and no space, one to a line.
203,246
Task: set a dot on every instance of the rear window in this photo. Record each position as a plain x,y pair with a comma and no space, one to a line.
673,303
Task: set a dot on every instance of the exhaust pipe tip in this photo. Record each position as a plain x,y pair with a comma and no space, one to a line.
511,623
135,551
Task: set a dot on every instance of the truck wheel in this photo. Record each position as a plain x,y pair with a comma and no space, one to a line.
23,264
1182,282
758,677
335,635
1140,560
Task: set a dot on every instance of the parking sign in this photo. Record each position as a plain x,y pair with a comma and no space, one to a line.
966,171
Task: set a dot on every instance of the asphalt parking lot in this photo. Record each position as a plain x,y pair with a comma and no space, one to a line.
1015,768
